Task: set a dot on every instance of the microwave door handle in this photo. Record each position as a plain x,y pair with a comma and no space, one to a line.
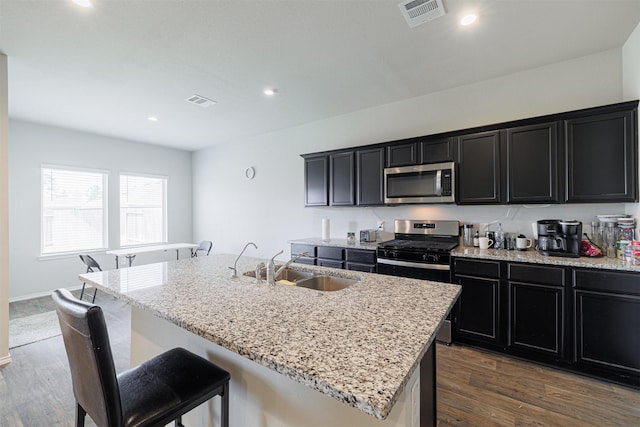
439,182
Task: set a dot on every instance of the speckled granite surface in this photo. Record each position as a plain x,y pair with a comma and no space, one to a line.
359,345
533,256
339,243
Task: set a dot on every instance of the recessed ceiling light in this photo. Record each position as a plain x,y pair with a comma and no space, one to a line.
82,3
468,19
152,118
270,91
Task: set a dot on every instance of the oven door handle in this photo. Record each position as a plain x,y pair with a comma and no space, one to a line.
414,264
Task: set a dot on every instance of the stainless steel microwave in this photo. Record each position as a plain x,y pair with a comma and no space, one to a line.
434,183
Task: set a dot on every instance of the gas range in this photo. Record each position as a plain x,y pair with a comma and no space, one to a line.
420,249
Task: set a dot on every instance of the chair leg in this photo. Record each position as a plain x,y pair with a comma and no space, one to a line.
82,291
179,422
95,291
224,413
80,415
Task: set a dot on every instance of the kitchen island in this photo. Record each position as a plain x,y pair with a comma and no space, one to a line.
296,356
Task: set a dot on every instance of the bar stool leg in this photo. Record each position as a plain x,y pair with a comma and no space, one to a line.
224,414
80,415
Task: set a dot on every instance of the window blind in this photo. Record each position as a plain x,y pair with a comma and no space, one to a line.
142,210
73,210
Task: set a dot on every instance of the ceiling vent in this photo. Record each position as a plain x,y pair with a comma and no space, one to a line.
200,101
417,12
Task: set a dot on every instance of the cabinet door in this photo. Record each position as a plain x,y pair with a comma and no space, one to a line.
478,309
437,151
341,179
315,181
602,158
606,319
536,318
402,154
479,168
607,331
533,164
370,177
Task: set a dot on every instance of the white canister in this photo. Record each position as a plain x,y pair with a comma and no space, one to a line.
326,229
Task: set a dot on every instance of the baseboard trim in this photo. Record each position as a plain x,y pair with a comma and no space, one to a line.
4,361
41,294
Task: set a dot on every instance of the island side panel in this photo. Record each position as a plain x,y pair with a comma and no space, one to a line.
258,395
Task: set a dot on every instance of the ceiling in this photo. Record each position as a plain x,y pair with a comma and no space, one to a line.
107,68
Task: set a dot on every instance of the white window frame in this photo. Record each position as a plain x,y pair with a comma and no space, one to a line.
165,184
105,211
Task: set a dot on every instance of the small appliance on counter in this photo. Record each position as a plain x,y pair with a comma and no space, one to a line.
367,236
559,238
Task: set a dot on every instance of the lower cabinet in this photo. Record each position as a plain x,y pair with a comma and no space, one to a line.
479,311
336,257
607,315
537,309
583,320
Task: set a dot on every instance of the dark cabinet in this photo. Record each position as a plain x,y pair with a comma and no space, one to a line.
370,177
299,249
479,168
602,158
479,312
402,154
533,161
607,315
341,179
316,181
361,260
537,307
437,150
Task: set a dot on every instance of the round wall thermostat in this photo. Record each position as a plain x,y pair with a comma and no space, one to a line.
250,173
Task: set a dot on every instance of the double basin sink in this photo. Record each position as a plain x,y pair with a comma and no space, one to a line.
305,279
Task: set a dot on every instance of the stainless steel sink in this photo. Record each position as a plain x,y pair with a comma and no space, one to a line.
286,274
309,280
326,283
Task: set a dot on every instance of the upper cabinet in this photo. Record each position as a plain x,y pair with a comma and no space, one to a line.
602,157
533,163
437,150
370,177
341,179
316,190
479,168
582,156
402,154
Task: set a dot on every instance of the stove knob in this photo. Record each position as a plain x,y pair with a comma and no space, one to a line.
432,257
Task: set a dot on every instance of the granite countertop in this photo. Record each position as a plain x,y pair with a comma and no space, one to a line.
533,256
359,345
339,243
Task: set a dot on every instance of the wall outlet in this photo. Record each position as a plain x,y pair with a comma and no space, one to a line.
380,225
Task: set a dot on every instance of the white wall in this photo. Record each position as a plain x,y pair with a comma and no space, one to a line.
231,210
4,216
30,146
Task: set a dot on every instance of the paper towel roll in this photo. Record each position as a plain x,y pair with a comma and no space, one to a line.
326,232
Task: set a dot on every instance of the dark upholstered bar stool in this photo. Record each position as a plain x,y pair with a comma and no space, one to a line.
154,393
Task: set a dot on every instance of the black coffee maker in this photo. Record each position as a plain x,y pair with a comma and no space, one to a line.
559,238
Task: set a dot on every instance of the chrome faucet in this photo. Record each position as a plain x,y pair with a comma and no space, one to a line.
259,269
234,271
272,274
271,269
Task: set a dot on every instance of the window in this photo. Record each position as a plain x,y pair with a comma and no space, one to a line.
142,210
74,210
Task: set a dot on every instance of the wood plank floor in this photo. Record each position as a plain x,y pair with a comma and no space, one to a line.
475,388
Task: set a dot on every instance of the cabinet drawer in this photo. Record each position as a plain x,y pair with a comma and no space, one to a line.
297,249
330,263
536,274
369,268
362,256
305,260
607,281
477,268
330,252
